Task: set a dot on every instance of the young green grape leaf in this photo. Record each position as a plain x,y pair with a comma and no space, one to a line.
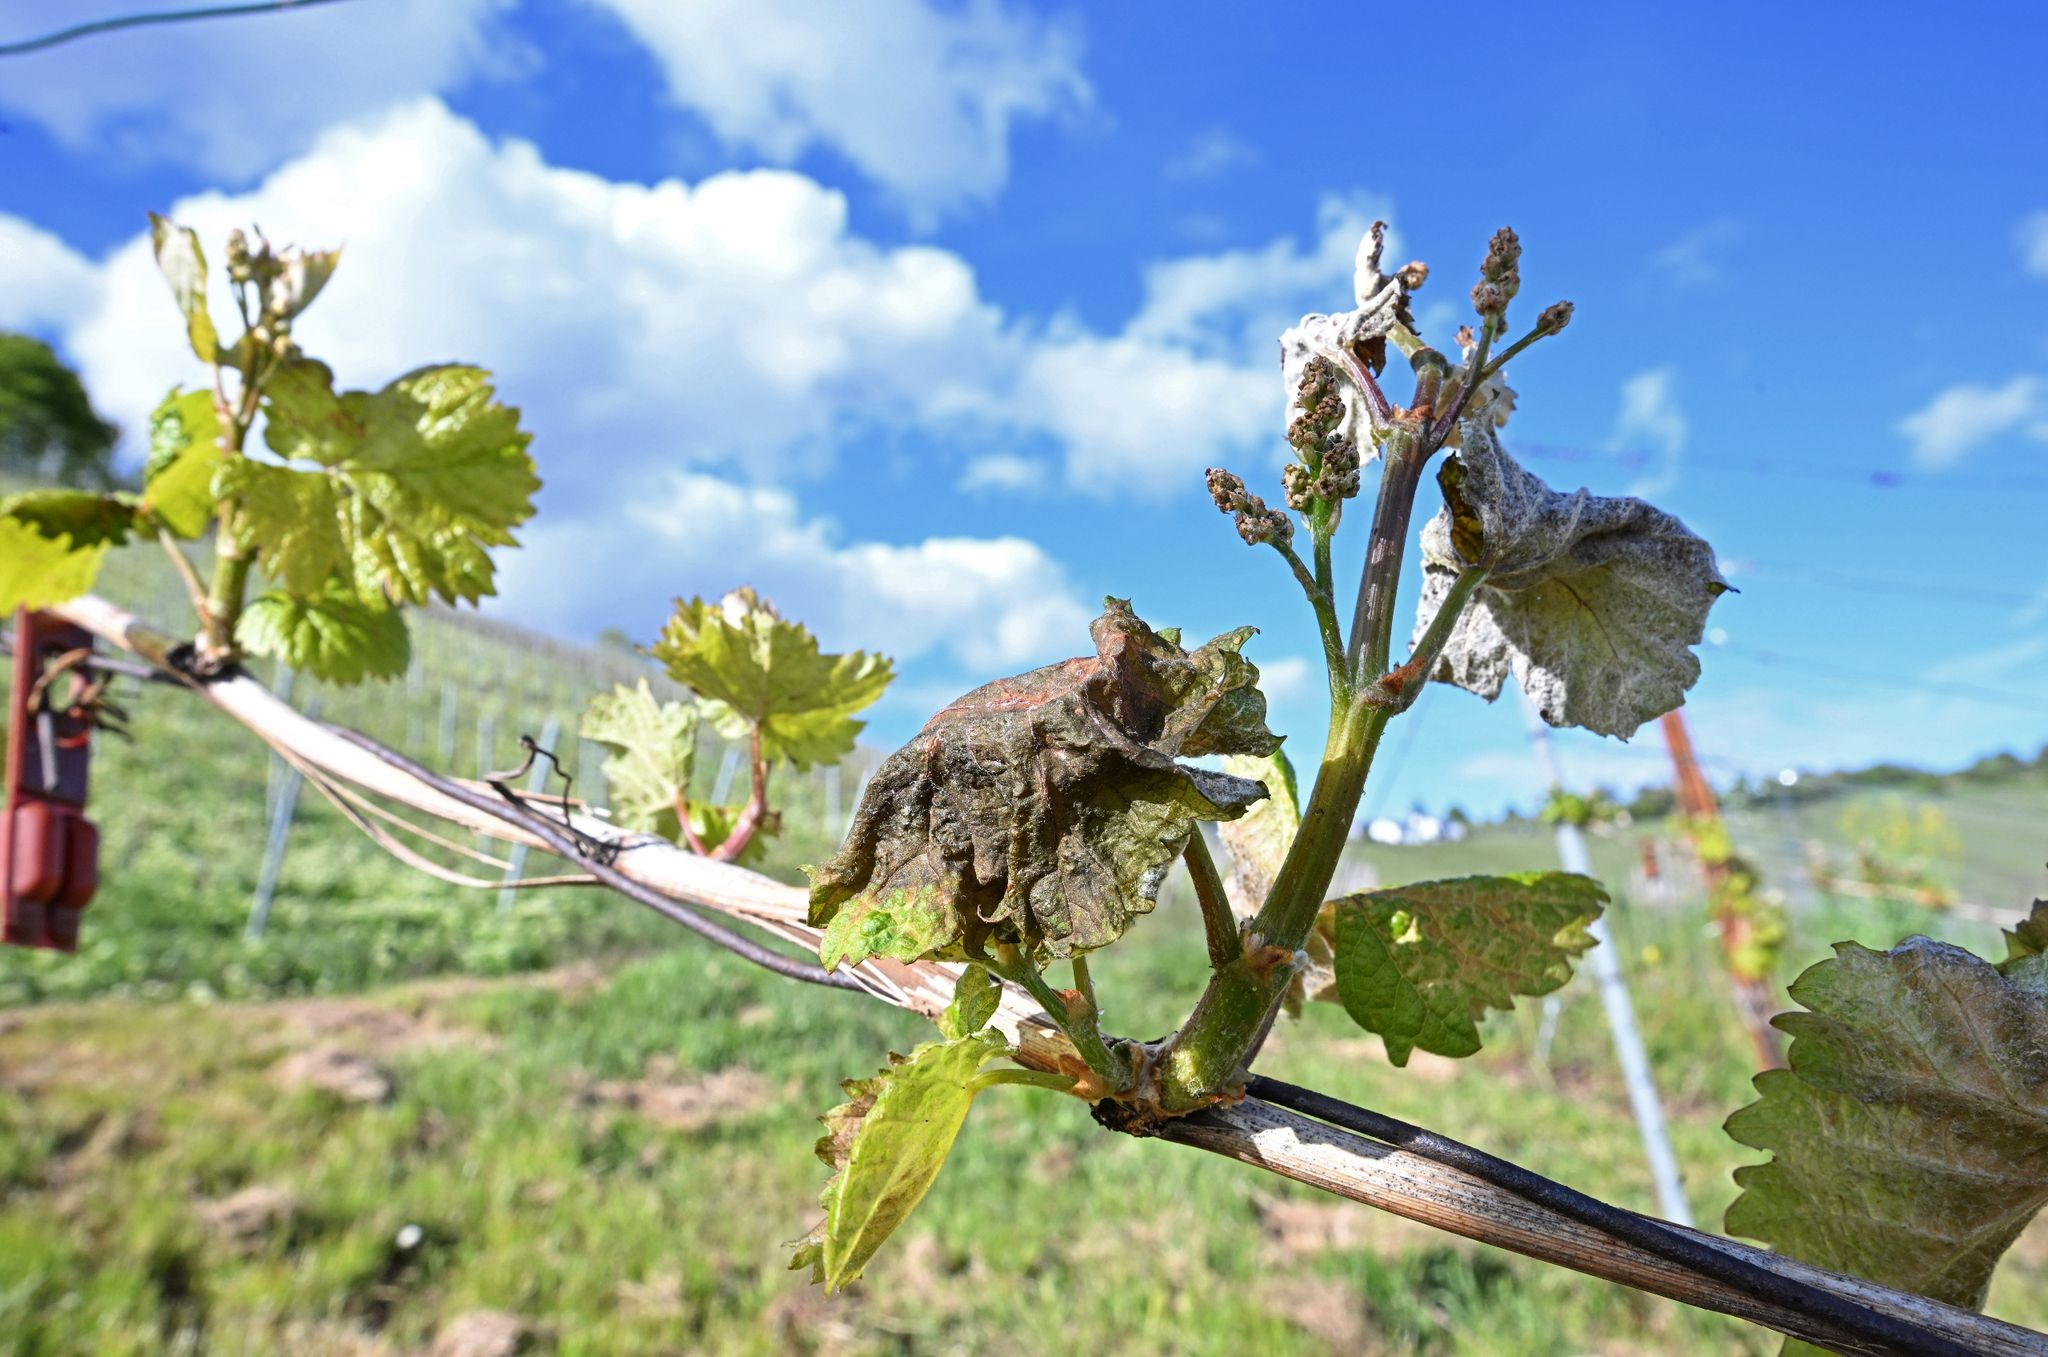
1045,809
36,571
651,746
424,477
1909,1137
754,668
298,280
333,635
184,454
886,1147
183,265
81,518
975,1000
290,519
1420,964
713,824
1591,602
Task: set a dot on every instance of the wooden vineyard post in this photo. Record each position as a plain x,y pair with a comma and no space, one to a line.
1753,998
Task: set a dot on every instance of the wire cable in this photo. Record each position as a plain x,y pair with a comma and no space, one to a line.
173,16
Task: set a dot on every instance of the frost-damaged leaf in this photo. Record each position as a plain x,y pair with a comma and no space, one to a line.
652,746
184,267
36,571
755,667
975,999
1258,842
1353,341
184,453
1045,809
1420,964
299,279
1910,1133
1591,602
79,517
886,1147
333,635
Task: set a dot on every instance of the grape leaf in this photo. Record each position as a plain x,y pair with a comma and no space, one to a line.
755,668
2026,945
1591,602
1259,839
80,518
290,519
1419,964
1910,1133
976,997
184,454
36,571
183,265
1045,809
425,476
652,745
886,1147
298,280
333,635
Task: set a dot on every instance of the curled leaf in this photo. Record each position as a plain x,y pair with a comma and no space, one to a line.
975,999
1420,964
183,265
1354,342
886,1146
1910,1133
1045,809
1591,602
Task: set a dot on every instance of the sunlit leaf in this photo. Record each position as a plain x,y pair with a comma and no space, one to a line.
333,635
1592,603
290,519
36,571
1910,1134
184,454
1045,809
755,667
184,267
300,276
1420,964
886,1147
652,745
79,518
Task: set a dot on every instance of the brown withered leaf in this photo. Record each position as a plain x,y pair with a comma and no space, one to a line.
1045,809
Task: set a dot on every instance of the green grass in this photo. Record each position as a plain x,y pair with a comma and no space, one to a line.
537,1192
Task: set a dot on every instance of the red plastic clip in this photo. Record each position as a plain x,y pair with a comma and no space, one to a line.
49,851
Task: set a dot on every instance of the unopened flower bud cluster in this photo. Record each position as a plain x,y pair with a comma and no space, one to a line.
1255,522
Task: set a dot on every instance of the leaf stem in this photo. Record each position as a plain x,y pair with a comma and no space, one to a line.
1397,689
1219,922
1058,1083
757,804
1013,965
195,588
1320,598
1084,983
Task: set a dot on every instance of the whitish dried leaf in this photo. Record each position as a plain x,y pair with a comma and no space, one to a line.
1592,603
1045,809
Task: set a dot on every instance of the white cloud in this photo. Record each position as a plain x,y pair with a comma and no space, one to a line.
736,322
1001,471
994,604
2032,239
43,284
1694,259
921,97
1211,155
235,98
1970,413
1650,420
1285,678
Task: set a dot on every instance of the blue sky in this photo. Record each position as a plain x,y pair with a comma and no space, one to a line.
925,318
